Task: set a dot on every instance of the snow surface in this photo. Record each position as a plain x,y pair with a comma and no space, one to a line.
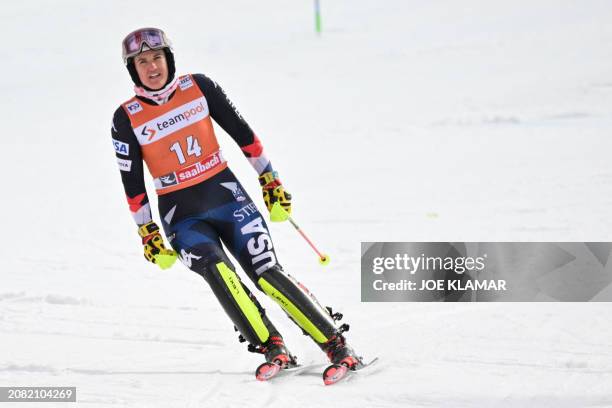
406,120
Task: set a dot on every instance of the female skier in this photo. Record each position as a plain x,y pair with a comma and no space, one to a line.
168,124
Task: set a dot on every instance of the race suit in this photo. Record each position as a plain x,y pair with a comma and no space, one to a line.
202,204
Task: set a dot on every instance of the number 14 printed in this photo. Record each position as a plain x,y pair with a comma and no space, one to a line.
193,149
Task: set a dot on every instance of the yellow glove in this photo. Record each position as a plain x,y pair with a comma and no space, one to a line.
154,249
274,191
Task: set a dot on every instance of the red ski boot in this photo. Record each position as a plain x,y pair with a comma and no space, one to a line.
342,357
277,358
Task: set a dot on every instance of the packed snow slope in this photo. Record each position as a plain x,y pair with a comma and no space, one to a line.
404,121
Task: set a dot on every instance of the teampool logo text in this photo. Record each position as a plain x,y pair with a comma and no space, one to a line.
172,121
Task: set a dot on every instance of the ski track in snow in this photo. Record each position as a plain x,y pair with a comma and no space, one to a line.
404,121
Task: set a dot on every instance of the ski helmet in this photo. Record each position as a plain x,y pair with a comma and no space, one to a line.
145,39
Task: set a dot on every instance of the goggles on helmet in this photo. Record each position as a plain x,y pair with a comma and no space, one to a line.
134,42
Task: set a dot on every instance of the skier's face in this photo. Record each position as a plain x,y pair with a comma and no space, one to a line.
152,68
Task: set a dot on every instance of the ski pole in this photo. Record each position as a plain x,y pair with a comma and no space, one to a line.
278,214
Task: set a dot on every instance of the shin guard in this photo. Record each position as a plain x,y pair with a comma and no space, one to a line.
239,304
298,303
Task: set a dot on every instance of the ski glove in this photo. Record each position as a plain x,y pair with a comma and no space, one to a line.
273,191
154,249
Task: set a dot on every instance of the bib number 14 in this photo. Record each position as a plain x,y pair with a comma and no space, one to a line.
193,149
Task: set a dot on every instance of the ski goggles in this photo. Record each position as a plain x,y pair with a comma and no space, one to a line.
135,41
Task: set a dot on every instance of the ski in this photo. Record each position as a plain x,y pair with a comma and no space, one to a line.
267,371
337,372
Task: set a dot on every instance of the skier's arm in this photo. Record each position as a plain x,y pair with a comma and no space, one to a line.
129,158
223,111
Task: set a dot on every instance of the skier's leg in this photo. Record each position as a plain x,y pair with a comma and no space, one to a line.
307,312
245,233
198,246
